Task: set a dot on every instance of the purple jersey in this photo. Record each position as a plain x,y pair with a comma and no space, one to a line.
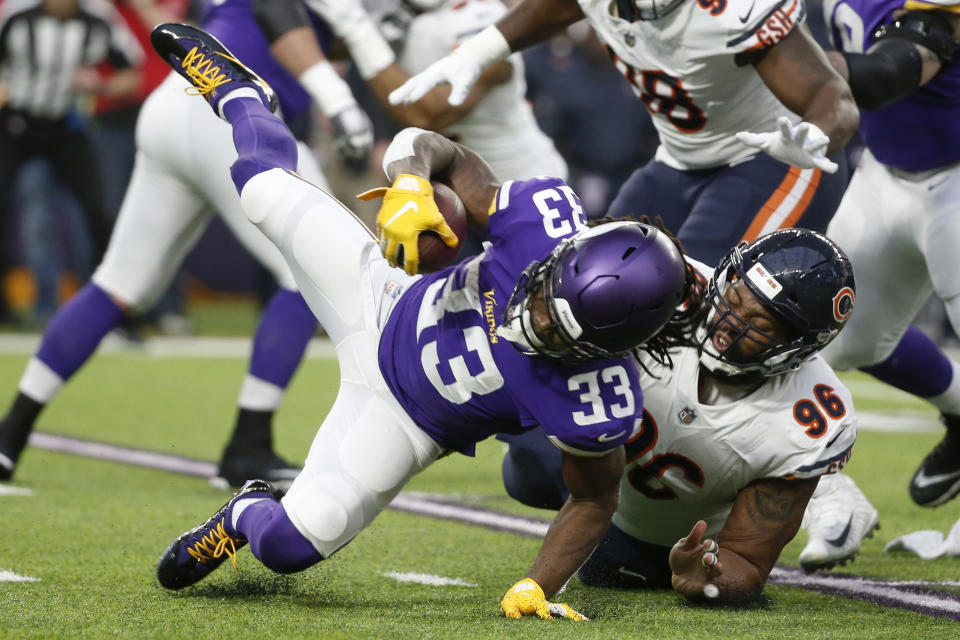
919,132
461,382
232,22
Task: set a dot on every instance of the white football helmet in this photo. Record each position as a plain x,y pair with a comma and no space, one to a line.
633,10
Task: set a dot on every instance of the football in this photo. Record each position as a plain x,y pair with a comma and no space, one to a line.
434,254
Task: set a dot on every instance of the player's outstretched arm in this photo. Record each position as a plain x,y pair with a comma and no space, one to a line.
294,44
594,485
797,71
765,517
529,22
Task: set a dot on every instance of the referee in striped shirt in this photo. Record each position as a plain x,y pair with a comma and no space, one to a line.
48,50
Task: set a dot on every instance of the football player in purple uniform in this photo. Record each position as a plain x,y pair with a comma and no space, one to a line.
899,223
171,197
539,329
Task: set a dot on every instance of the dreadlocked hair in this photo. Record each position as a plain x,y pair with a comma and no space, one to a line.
681,327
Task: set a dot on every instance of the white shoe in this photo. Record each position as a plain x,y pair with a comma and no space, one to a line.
837,519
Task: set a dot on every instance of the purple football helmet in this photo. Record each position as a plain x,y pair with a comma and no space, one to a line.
607,291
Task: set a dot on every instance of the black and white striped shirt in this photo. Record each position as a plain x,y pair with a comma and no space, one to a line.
39,53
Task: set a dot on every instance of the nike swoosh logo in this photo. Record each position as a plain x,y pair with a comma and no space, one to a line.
605,438
402,210
842,538
631,574
744,19
834,439
922,480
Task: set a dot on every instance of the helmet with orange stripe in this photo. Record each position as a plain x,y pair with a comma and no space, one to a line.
775,302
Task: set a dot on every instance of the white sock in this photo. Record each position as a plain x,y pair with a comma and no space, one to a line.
259,395
40,382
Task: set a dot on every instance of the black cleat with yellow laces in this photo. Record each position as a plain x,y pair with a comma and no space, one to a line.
192,556
208,65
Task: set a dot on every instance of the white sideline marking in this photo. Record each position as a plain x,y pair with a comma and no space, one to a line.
165,346
427,578
879,589
10,576
898,422
7,490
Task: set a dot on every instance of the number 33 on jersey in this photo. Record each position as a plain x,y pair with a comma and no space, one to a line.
449,366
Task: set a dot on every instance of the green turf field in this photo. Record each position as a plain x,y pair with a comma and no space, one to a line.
92,530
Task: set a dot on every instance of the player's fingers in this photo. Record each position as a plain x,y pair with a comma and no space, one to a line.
446,234
390,251
543,610
786,129
459,92
416,87
564,611
710,545
825,164
709,560
411,258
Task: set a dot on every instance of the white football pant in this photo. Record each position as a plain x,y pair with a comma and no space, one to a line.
903,237
181,178
367,447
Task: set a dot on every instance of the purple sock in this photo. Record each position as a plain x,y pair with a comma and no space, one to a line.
77,328
274,540
285,328
262,140
917,366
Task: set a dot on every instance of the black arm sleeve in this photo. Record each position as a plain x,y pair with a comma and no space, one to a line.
889,72
926,28
277,17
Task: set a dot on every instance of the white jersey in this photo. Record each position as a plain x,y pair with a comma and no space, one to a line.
501,128
692,70
690,460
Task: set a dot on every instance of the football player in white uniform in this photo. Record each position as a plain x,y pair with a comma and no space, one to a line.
898,223
179,182
709,73
734,437
494,120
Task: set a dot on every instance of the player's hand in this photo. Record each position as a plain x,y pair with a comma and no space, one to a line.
455,69
353,132
527,598
802,145
695,564
408,208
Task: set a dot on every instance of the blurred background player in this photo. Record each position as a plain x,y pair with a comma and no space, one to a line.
48,51
495,120
736,434
178,184
440,362
899,224
708,73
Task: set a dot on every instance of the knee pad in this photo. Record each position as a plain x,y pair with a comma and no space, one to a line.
329,511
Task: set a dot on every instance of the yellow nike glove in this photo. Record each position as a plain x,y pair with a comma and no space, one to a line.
408,208
526,598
